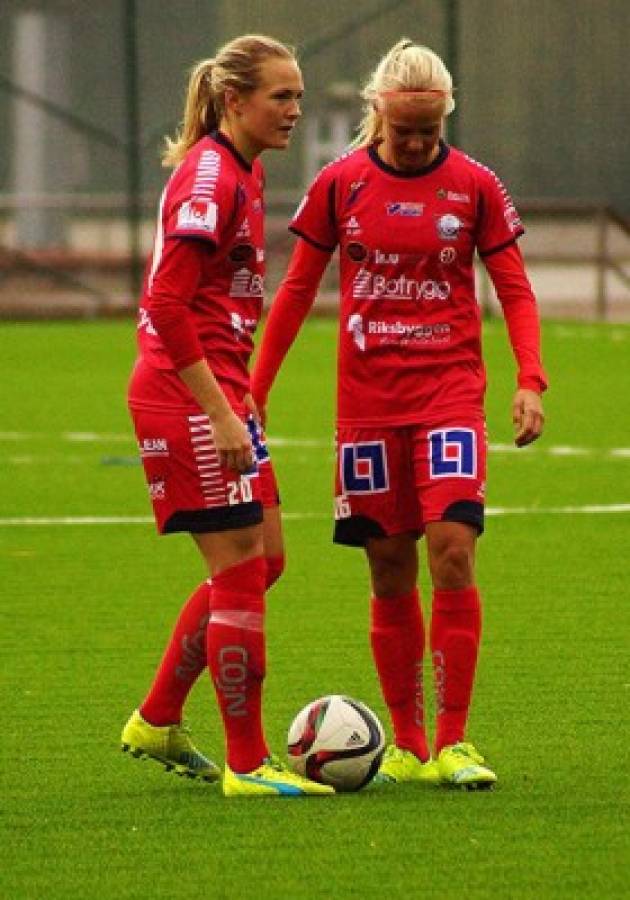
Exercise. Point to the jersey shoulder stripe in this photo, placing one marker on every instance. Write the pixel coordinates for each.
(207, 173)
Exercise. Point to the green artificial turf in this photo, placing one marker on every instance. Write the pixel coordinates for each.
(86, 610)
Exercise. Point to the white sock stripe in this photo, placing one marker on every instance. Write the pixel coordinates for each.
(237, 618)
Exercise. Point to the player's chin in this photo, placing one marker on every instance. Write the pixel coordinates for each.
(283, 137)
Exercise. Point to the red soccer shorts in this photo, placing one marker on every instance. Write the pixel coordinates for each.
(189, 489)
(395, 480)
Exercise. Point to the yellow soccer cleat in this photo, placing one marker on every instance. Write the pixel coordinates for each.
(461, 765)
(400, 766)
(169, 745)
(271, 779)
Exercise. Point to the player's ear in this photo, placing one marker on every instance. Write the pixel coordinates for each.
(233, 101)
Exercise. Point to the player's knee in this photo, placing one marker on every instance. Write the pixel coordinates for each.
(452, 566)
(392, 575)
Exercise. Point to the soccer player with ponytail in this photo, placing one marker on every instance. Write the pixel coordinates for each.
(206, 464)
(408, 213)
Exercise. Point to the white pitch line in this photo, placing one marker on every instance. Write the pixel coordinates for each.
(275, 442)
(588, 509)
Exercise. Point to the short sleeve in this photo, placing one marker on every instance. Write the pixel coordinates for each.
(202, 201)
(315, 217)
(499, 222)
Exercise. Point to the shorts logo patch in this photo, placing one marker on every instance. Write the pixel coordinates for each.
(363, 468)
(453, 452)
(258, 441)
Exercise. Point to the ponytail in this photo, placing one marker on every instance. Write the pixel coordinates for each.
(236, 65)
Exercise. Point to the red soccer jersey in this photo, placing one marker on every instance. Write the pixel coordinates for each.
(410, 325)
(213, 197)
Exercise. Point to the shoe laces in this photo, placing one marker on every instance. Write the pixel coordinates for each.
(394, 753)
(467, 750)
(273, 762)
(184, 728)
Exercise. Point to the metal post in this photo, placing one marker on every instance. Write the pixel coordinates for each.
(602, 264)
(40, 150)
(130, 43)
(452, 62)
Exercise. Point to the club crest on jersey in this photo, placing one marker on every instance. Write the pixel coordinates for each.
(240, 253)
(197, 214)
(448, 255)
(363, 468)
(404, 208)
(356, 251)
(448, 226)
(453, 452)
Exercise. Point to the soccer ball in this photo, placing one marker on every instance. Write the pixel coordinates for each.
(336, 740)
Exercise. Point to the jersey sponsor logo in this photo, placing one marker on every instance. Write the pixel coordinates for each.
(452, 453)
(353, 226)
(403, 332)
(453, 196)
(363, 468)
(356, 251)
(157, 489)
(448, 255)
(153, 447)
(242, 326)
(405, 208)
(381, 258)
(246, 283)
(448, 226)
(355, 328)
(368, 286)
(197, 214)
(207, 173)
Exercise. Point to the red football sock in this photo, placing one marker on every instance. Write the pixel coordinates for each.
(236, 659)
(185, 656)
(183, 661)
(455, 634)
(397, 637)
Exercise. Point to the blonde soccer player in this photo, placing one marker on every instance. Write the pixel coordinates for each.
(207, 467)
(407, 213)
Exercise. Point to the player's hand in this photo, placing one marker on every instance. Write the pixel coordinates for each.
(233, 442)
(527, 416)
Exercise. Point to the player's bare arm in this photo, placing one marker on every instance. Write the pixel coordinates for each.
(230, 434)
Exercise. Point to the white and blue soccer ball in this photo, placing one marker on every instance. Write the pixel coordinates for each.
(338, 741)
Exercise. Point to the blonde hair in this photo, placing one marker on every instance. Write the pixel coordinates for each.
(236, 65)
(406, 67)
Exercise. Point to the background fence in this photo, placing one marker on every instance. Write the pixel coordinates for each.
(88, 91)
